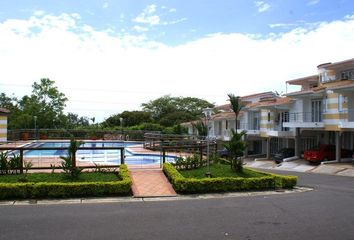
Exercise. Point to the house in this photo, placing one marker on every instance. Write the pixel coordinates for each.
(261, 117)
(3, 124)
(322, 112)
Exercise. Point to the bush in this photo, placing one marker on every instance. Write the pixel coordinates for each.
(65, 190)
(226, 184)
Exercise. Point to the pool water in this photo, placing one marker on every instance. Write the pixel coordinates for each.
(99, 156)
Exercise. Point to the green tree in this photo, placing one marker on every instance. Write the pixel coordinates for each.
(169, 111)
(236, 147)
(236, 106)
(201, 128)
(46, 103)
(130, 118)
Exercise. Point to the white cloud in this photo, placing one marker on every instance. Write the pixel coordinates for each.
(146, 16)
(125, 70)
(313, 2)
(140, 29)
(38, 13)
(262, 6)
(105, 5)
(172, 10)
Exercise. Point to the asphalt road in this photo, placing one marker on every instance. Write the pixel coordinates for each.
(325, 213)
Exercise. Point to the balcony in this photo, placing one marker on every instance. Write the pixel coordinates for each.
(350, 118)
(304, 120)
(250, 128)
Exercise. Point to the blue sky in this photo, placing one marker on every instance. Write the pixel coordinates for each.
(111, 56)
(181, 21)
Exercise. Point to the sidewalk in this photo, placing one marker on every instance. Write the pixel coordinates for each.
(340, 169)
(150, 183)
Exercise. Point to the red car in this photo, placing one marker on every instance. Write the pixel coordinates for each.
(324, 153)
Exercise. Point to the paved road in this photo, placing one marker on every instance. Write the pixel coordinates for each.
(325, 213)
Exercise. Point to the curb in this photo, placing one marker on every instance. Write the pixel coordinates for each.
(151, 199)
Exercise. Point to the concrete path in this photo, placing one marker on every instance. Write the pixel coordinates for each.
(150, 183)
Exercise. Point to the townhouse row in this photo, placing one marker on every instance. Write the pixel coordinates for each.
(322, 112)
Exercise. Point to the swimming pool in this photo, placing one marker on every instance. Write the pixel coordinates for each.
(98, 156)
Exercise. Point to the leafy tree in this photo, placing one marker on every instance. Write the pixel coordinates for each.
(236, 106)
(169, 111)
(236, 147)
(201, 128)
(72, 120)
(130, 118)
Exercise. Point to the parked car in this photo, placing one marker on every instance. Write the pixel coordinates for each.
(324, 152)
(224, 153)
(283, 153)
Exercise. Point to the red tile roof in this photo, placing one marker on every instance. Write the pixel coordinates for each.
(301, 81)
(270, 102)
(4, 110)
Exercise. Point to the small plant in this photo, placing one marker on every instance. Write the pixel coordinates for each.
(27, 166)
(69, 162)
(3, 163)
(14, 164)
(236, 146)
(52, 166)
(98, 168)
(190, 162)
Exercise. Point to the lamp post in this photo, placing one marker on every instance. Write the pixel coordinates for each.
(35, 126)
(207, 113)
(121, 126)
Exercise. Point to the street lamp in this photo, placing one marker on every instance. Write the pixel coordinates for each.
(121, 126)
(35, 126)
(207, 113)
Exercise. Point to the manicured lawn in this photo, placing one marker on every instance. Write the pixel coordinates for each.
(219, 170)
(61, 177)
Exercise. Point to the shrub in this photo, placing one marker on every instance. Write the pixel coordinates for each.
(64, 190)
(226, 184)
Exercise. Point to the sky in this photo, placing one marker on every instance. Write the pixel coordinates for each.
(111, 56)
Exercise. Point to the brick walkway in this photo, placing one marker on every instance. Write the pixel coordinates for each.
(151, 183)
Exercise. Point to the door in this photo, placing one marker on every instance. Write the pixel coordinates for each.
(316, 110)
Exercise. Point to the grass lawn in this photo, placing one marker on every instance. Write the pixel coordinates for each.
(61, 177)
(219, 170)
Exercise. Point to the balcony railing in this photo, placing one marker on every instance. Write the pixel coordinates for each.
(250, 126)
(305, 117)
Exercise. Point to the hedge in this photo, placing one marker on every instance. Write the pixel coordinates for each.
(226, 184)
(66, 190)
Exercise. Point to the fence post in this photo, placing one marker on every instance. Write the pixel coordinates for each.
(163, 155)
(201, 153)
(122, 156)
(21, 160)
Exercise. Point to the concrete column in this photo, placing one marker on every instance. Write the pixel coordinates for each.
(338, 146)
(268, 148)
(246, 149)
(297, 142)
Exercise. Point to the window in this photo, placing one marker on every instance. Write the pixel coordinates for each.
(268, 116)
(227, 125)
(347, 74)
(316, 111)
(325, 101)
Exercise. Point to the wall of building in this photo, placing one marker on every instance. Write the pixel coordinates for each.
(3, 128)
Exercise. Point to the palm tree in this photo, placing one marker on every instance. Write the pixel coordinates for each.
(236, 106)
